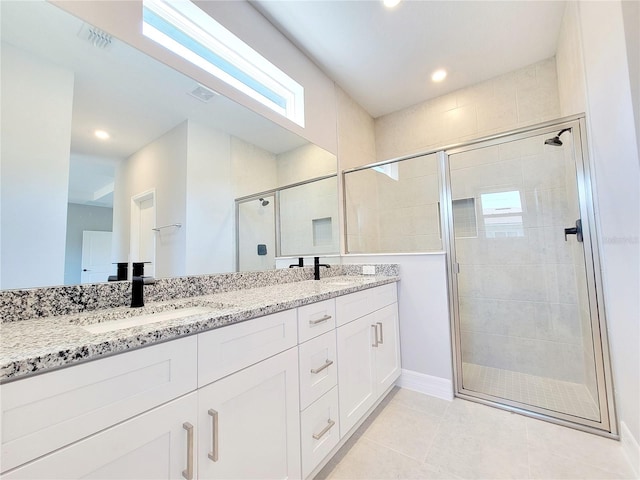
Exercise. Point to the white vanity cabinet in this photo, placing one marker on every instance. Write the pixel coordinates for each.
(248, 403)
(45, 412)
(368, 351)
(271, 397)
(159, 444)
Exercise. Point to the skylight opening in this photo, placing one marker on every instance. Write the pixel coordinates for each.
(184, 29)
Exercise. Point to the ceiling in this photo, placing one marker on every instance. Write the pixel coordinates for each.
(383, 58)
(123, 91)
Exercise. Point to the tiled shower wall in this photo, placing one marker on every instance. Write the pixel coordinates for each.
(385, 215)
(394, 208)
(542, 332)
(518, 294)
(517, 99)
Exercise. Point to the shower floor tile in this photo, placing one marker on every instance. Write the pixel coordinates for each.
(556, 395)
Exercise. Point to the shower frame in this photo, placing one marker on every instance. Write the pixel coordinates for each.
(607, 425)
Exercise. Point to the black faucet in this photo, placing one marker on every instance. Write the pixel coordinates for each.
(316, 267)
(137, 290)
(300, 263)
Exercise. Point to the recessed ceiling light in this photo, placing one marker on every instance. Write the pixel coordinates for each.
(390, 3)
(439, 75)
(102, 135)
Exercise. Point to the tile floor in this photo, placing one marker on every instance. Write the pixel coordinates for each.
(414, 436)
(565, 397)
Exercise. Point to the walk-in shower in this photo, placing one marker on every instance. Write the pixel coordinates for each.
(514, 214)
(524, 279)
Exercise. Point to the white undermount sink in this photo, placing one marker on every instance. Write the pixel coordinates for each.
(146, 319)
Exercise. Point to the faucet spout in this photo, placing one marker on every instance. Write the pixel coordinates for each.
(137, 290)
(316, 267)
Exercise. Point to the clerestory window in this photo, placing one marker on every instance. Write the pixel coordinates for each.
(186, 30)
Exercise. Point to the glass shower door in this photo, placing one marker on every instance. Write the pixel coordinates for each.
(524, 303)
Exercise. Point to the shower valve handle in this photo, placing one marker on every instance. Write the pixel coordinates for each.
(577, 231)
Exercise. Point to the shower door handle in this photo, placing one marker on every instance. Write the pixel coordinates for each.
(577, 231)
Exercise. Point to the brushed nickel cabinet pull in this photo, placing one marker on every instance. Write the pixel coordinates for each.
(213, 455)
(320, 320)
(319, 435)
(381, 337)
(327, 363)
(188, 473)
(375, 336)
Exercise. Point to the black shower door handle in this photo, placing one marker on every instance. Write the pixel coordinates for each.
(577, 231)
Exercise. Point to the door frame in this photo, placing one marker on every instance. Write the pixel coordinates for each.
(134, 230)
(607, 425)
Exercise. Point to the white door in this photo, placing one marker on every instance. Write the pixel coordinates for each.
(143, 237)
(387, 353)
(249, 422)
(355, 370)
(153, 445)
(96, 256)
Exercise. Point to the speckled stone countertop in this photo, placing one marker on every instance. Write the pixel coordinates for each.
(40, 344)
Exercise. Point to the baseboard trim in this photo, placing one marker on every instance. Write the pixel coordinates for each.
(429, 385)
(631, 448)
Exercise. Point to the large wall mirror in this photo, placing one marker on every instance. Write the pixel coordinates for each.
(161, 189)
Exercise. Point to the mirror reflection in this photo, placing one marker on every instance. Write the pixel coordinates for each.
(110, 156)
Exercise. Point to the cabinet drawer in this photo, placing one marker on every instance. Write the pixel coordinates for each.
(318, 368)
(229, 349)
(49, 411)
(358, 304)
(316, 319)
(320, 431)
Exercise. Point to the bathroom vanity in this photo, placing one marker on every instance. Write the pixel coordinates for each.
(254, 383)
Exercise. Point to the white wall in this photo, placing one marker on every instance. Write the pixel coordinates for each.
(424, 311)
(210, 213)
(631, 17)
(35, 169)
(161, 165)
(253, 169)
(123, 20)
(79, 219)
(614, 155)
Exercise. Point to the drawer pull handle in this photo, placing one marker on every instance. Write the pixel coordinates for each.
(320, 320)
(319, 435)
(188, 473)
(213, 455)
(375, 336)
(327, 363)
(381, 337)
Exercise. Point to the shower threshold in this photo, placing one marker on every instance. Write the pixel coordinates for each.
(550, 394)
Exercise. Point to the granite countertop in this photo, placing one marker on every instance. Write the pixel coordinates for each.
(36, 345)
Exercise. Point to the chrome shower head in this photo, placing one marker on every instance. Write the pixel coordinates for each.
(263, 202)
(555, 141)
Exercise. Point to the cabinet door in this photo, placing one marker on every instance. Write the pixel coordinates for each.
(249, 423)
(387, 353)
(154, 445)
(46, 412)
(355, 370)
